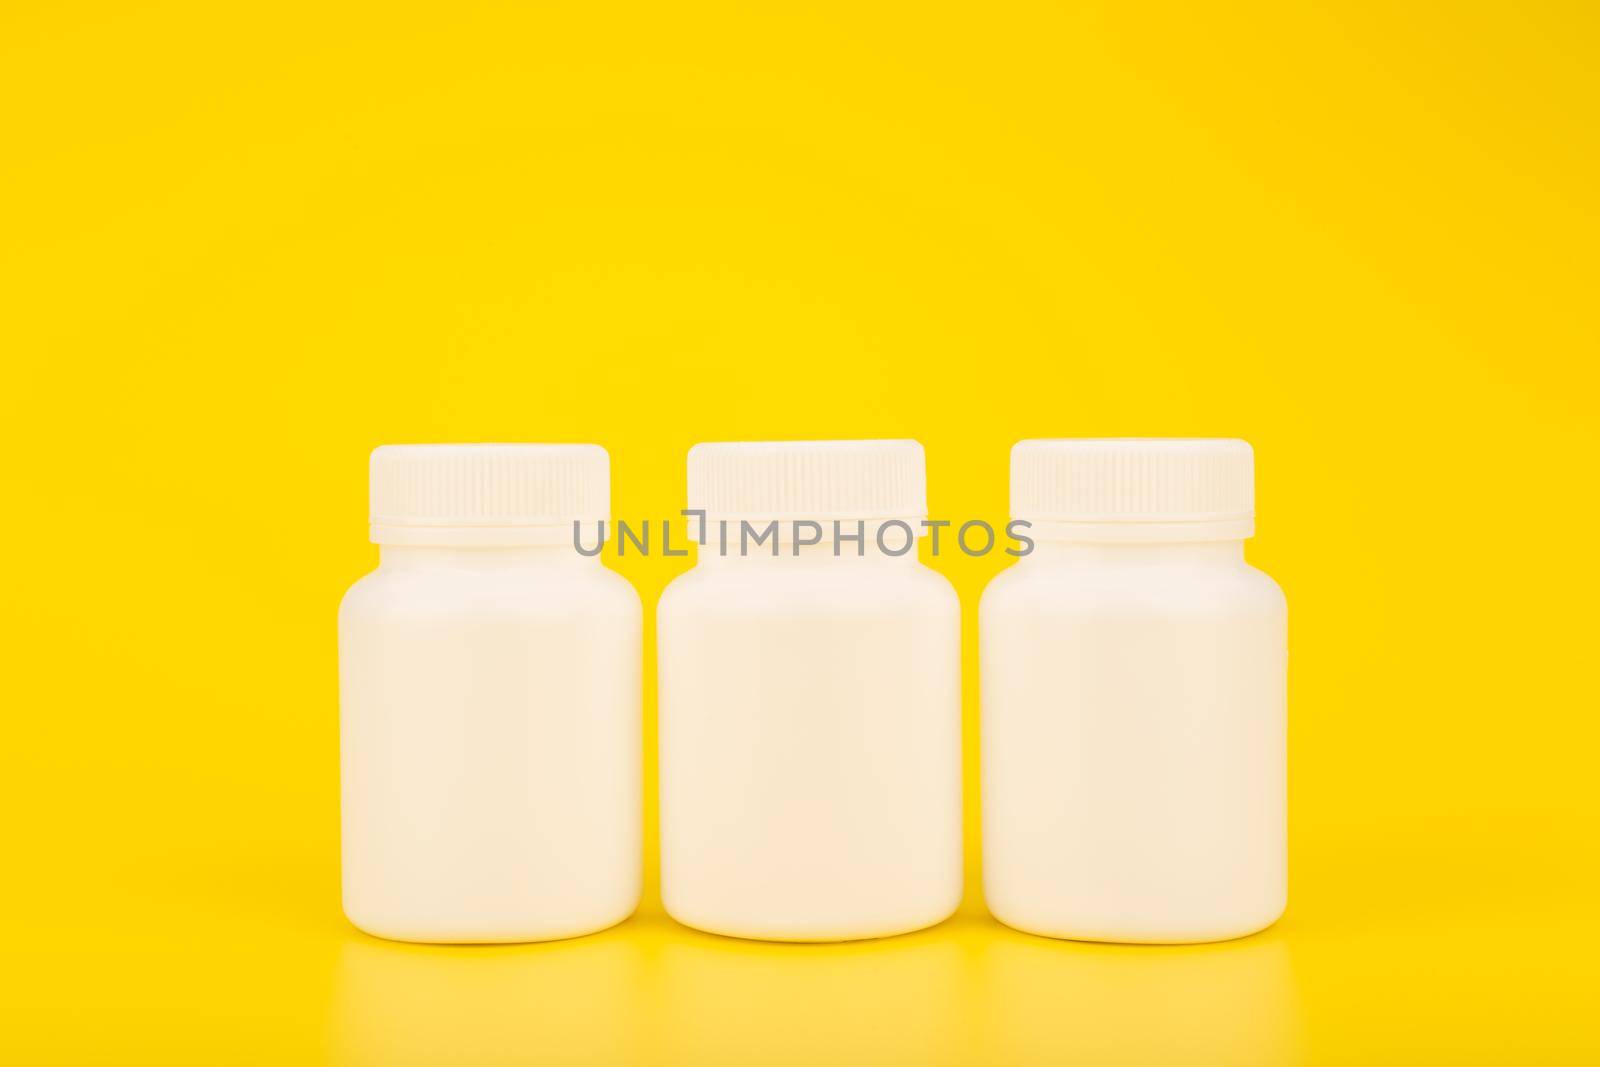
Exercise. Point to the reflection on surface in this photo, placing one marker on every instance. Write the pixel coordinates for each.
(967, 991)
(894, 1000)
(565, 1001)
(1051, 1001)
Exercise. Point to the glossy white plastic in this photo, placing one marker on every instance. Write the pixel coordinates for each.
(810, 707)
(489, 703)
(1133, 689)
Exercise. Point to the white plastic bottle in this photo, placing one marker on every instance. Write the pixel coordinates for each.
(1133, 685)
(810, 700)
(489, 702)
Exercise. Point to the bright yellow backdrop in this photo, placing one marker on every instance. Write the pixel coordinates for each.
(243, 243)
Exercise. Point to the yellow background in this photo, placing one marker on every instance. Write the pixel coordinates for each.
(241, 244)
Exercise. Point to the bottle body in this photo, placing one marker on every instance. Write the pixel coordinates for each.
(810, 746)
(490, 745)
(1134, 729)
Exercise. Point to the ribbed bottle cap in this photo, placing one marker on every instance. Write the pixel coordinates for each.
(486, 494)
(1170, 488)
(817, 480)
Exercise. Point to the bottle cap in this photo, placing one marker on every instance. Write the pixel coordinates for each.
(816, 480)
(486, 494)
(1135, 488)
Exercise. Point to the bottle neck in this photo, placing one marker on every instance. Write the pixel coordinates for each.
(487, 556)
(1138, 553)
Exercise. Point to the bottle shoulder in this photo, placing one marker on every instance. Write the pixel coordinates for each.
(1053, 588)
(526, 591)
(907, 586)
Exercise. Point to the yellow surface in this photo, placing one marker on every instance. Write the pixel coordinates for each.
(241, 244)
